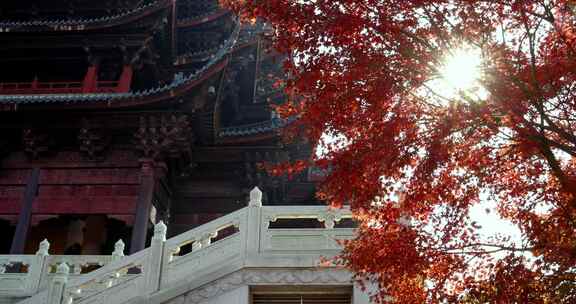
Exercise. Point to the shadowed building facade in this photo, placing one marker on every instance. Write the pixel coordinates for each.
(115, 115)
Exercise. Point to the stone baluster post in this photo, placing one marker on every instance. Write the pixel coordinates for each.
(254, 223)
(58, 285)
(153, 268)
(118, 252)
(35, 272)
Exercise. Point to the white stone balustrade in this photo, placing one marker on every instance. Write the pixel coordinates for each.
(204, 253)
(303, 241)
(238, 240)
(25, 275)
(20, 274)
(127, 272)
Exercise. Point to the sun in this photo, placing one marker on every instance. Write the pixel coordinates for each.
(461, 69)
(459, 74)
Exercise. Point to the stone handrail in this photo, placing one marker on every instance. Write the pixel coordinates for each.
(240, 239)
(40, 298)
(329, 216)
(25, 275)
(130, 268)
(201, 236)
(20, 274)
(303, 241)
(77, 263)
(203, 253)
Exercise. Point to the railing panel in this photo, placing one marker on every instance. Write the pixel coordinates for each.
(205, 247)
(319, 212)
(329, 216)
(203, 233)
(121, 292)
(13, 283)
(304, 241)
(40, 298)
(79, 264)
(203, 260)
(128, 269)
(299, 240)
(19, 274)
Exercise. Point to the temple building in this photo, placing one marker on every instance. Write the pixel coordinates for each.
(116, 114)
(142, 120)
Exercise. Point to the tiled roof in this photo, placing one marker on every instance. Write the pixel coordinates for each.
(273, 124)
(6, 26)
(179, 80)
(250, 129)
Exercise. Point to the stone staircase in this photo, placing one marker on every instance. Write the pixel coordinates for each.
(238, 249)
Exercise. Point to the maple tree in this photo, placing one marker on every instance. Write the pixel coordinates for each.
(412, 158)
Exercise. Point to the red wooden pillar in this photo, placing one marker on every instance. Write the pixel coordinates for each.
(125, 79)
(90, 79)
(19, 241)
(143, 206)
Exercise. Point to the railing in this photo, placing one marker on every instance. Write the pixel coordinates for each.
(203, 252)
(303, 240)
(25, 275)
(241, 239)
(20, 274)
(36, 87)
(128, 272)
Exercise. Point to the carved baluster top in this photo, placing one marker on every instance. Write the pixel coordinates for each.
(255, 198)
(63, 269)
(43, 248)
(119, 247)
(330, 217)
(160, 231)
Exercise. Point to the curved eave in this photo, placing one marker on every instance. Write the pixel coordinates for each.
(203, 19)
(195, 57)
(155, 95)
(109, 101)
(250, 132)
(200, 55)
(83, 25)
(185, 59)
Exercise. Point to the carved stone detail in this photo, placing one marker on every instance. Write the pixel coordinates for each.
(43, 248)
(118, 249)
(35, 142)
(265, 277)
(255, 198)
(92, 142)
(160, 231)
(330, 217)
(163, 135)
